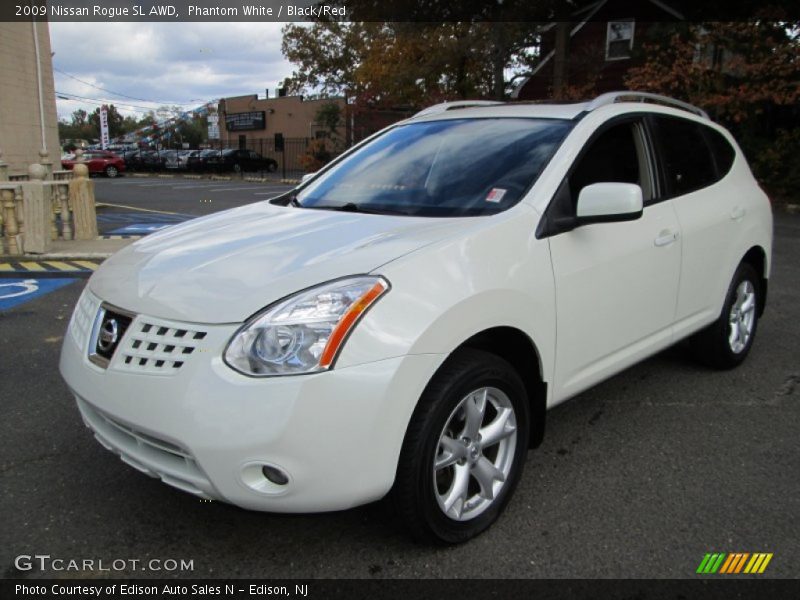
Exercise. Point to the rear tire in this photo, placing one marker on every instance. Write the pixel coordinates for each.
(112, 171)
(464, 449)
(726, 343)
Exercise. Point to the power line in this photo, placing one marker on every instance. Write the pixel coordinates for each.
(132, 107)
(119, 93)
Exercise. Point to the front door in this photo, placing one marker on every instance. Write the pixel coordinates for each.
(616, 283)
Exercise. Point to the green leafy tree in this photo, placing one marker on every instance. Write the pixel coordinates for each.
(115, 121)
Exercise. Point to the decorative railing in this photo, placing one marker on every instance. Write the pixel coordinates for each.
(45, 205)
(11, 219)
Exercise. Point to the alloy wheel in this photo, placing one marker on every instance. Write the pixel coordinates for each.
(475, 453)
(742, 317)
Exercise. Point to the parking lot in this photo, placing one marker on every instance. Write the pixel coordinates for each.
(638, 477)
(140, 205)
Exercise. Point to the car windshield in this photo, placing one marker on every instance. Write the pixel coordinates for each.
(448, 168)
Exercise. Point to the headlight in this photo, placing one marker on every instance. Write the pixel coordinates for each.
(304, 333)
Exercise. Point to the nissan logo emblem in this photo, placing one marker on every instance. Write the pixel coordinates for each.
(109, 334)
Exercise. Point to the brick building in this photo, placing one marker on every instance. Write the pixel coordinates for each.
(252, 122)
(603, 40)
(28, 117)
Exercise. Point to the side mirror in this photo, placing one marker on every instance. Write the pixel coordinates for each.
(306, 177)
(609, 203)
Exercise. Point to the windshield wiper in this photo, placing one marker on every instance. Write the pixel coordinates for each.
(360, 208)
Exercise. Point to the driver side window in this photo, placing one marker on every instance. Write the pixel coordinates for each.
(617, 155)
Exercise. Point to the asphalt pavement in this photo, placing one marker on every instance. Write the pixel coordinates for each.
(141, 205)
(638, 477)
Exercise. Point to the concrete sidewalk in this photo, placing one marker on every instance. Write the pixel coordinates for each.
(74, 249)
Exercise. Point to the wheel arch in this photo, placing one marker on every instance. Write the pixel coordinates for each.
(518, 349)
(757, 258)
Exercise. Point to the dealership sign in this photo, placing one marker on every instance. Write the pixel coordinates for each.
(104, 127)
(213, 127)
(246, 121)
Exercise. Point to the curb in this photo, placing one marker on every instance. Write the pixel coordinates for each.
(55, 256)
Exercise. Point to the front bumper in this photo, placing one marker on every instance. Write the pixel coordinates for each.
(205, 429)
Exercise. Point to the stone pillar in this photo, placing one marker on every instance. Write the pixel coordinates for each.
(37, 211)
(3, 168)
(44, 156)
(81, 198)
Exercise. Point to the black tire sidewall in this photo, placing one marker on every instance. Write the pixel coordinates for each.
(490, 372)
(112, 171)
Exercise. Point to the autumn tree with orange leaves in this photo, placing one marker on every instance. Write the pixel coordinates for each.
(747, 76)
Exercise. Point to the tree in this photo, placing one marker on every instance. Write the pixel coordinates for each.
(747, 76)
(385, 64)
(734, 69)
(115, 121)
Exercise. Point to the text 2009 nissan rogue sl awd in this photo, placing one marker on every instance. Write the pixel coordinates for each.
(401, 321)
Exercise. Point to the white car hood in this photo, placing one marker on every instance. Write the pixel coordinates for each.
(227, 266)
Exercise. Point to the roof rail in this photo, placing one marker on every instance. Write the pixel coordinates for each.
(628, 96)
(445, 106)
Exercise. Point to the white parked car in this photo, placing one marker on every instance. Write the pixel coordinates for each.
(401, 321)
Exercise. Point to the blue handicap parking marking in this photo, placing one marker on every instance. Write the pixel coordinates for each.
(14, 292)
(140, 228)
(140, 223)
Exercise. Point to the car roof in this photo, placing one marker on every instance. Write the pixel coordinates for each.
(631, 100)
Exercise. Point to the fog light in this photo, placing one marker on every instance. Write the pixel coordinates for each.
(266, 478)
(276, 476)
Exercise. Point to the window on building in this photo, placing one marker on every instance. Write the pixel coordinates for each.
(619, 39)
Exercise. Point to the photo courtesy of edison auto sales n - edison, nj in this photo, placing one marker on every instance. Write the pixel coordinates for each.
(400, 322)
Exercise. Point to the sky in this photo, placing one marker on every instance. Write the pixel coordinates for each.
(163, 63)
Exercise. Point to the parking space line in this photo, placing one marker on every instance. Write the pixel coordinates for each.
(6, 267)
(150, 210)
(231, 189)
(204, 186)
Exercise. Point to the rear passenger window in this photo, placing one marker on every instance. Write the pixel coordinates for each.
(686, 155)
(722, 150)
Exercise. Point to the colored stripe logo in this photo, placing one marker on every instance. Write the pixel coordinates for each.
(734, 563)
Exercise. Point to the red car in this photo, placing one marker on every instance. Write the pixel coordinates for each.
(99, 162)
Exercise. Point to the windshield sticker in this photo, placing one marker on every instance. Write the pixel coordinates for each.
(495, 195)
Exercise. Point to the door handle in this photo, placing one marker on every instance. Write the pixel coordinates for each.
(666, 237)
(737, 213)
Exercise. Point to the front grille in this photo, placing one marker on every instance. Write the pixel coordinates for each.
(169, 462)
(157, 347)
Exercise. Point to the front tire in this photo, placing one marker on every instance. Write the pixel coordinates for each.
(112, 171)
(726, 343)
(464, 449)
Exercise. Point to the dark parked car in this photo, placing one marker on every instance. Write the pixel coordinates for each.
(151, 160)
(197, 161)
(240, 160)
(100, 162)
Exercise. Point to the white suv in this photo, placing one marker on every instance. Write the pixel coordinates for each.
(402, 320)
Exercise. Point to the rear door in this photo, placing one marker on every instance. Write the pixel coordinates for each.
(616, 283)
(711, 211)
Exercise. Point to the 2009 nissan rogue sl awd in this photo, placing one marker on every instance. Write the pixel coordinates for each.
(400, 322)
